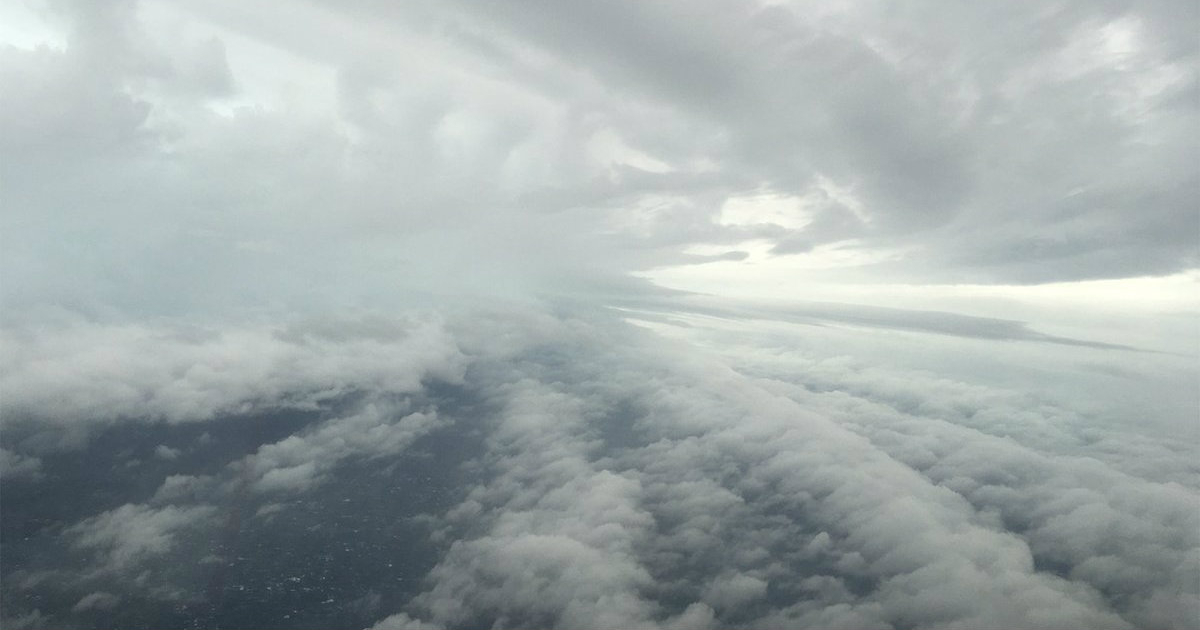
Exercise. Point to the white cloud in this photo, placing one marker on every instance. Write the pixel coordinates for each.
(753, 477)
(790, 506)
(130, 534)
(205, 205)
(1039, 470)
(297, 462)
(374, 150)
(561, 551)
(80, 372)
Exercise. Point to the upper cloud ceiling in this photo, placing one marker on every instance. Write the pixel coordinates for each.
(217, 153)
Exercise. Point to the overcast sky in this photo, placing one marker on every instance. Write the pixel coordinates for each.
(164, 156)
(775, 314)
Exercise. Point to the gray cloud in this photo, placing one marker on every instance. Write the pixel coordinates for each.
(28, 621)
(1002, 144)
(76, 372)
(1081, 519)
(211, 209)
(787, 507)
(131, 534)
(297, 462)
(18, 465)
(820, 313)
(626, 480)
(98, 600)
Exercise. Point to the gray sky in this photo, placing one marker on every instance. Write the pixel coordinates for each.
(167, 157)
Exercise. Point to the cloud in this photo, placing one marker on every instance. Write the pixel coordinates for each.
(212, 211)
(298, 461)
(27, 621)
(727, 477)
(162, 451)
(815, 313)
(18, 465)
(131, 534)
(772, 504)
(79, 372)
(98, 600)
(401, 621)
(562, 550)
(1005, 456)
(732, 591)
(205, 157)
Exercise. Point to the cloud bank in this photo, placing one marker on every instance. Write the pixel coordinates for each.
(614, 478)
(200, 156)
(339, 313)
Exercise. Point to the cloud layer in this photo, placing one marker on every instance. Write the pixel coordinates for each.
(203, 155)
(336, 313)
(614, 478)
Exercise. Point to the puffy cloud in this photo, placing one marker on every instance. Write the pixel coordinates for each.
(180, 174)
(724, 478)
(79, 371)
(732, 591)
(772, 504)
(561, 550)
(298, 461)
(133, 533)
(1036, 469)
